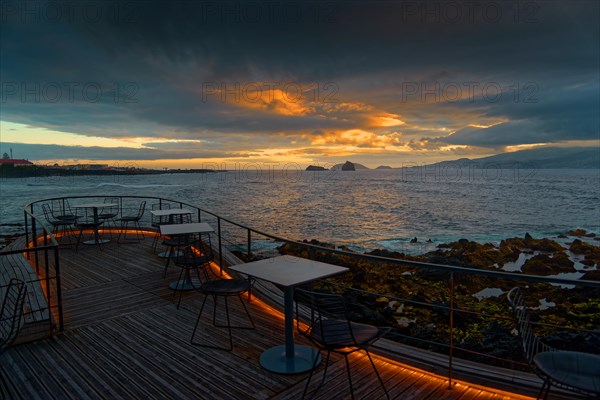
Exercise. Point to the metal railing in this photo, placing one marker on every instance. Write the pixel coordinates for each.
(233, 235)
(41, 249)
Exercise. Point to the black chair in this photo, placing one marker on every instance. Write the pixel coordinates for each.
(323, 319)
(134, 220)
(176, 245)
(213, 285)
(575, 371)
(11, 315)
(60, 227)
(61, 209)
(156, 221)
(11, 312)
(109, 214)
(86, 222)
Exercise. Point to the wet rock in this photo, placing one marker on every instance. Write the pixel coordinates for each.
(414, 240)
(544, 244)
(591, 252)
(592, 275)
(544, 264)
(386, 253)
(528, 236)
(577, 232)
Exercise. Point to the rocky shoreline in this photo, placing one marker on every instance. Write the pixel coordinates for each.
(482, 318)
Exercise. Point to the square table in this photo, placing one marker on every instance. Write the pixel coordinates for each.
(288, 271)
(187, 283)
(171, 213)
(95, 207)
(184, 229)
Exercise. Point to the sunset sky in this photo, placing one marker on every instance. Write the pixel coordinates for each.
(189, 83)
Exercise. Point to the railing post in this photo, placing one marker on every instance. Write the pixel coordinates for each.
(249, 244)
(220, 246)
(34, 241)
(450, 355)
(26, 233)
(61, 323)
(47, 269)
(199, 215)
(46, 248)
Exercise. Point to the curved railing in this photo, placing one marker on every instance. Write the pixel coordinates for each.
(44, 287)
(231, 234)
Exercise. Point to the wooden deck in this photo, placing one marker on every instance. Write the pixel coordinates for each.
(125, 338)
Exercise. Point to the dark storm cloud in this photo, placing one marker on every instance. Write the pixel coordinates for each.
(150, 62)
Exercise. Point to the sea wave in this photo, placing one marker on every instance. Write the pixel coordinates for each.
(146, 186)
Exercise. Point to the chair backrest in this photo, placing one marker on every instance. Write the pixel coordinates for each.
(112, 209)
(11, 312)
(142, 209)
(198, 254)
(324, 316)
(530, 343)
(47, 212)
(156, 221)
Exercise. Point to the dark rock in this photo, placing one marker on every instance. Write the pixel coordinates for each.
(577, 232)
(528, 236)
(544, 264)
(315, 168)
(587, 342)
(592, 275)
(386, 253)
(591, 252)
(414, 240)
(348, 166)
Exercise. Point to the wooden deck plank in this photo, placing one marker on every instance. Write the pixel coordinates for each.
(125, 338)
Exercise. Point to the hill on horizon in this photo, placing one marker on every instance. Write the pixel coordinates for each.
(547, 157)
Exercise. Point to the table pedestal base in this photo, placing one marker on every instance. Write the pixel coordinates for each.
(94, 241)
(165, 254)
(275, 360)
(185, 284)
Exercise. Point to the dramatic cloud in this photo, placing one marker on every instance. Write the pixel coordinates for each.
(431, 77)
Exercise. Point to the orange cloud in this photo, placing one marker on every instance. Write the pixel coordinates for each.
(385, 120)
(358, 138)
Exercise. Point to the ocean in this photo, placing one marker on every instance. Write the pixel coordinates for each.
(364, 209)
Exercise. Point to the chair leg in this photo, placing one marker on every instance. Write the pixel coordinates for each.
(123, 231)
(313, 370)
(181, 275)
(171, 248)
(377, 373)
(229, 326)
(252, 326)
(544, 390)
(349, 376)
(198, 322)
(138, 231)
(78, 239)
